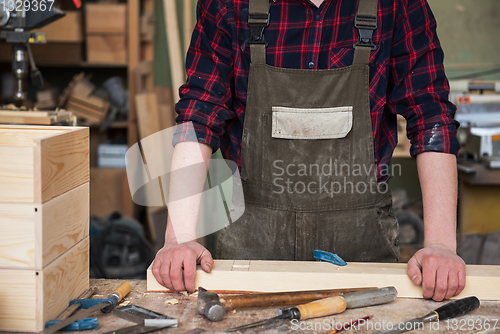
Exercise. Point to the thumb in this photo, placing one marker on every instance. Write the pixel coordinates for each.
(206, 261)
(414, 271)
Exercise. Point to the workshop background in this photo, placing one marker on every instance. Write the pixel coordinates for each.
(115, 67)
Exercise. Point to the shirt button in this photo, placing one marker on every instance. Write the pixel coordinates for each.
(317, 17)
(311, 64)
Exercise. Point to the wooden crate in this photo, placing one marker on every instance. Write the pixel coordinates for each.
(105, 18)
(31, 297)
(39, 163)
(44, 222)
(66, 29)
(34, 235)
(106, 48)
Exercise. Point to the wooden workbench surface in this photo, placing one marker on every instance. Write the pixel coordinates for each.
(185, 312)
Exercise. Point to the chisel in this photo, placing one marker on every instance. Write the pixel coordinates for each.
(331, 305)
(92, 305)
(454, 309)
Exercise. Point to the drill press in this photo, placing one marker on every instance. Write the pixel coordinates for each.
(17, 18)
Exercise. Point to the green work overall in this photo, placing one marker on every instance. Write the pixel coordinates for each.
(308, 171)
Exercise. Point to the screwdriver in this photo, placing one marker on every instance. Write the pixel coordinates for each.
(329, 306)
(451, 310)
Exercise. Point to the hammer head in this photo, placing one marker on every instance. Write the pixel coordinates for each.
(209, 305)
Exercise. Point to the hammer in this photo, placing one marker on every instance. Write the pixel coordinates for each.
(213, 307)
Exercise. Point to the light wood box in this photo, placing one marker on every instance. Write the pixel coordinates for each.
(38, 163)
(105, 18)
(66, 29)
(29, 297)
(44, 222)
(106, 48)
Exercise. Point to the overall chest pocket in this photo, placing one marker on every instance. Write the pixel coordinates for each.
(311, 123)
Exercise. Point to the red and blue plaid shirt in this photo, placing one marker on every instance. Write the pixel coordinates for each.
(406, 70)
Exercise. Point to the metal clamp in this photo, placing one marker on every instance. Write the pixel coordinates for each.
(366, 26)
(257, 26)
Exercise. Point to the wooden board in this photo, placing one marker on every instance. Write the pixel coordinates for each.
(105, 18)
(106, 48)
(32, 297)
(33, 235)
(52, 53)
(66, 29)
(34, 117)
(275, 276)
(39, 163)
(174, 46)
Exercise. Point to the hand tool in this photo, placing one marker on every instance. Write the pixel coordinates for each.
(92, 305)
(141, 315)
(331, 305)
(89, 323)
(213, 307)
(451, 310)
(329, 257)
(349, 324)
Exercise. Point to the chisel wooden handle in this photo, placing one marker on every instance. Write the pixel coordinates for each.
(322, 308)
(122, 291)
(117, 296)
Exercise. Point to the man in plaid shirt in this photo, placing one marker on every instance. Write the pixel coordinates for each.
(406, 76)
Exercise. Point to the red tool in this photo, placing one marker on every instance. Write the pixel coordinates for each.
(349, 324)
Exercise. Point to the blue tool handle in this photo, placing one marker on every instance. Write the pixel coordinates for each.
(87, 323)
(88, 303)
(329, 257)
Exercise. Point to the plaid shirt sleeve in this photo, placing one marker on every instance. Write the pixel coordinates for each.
(206, 97)
(417, 87)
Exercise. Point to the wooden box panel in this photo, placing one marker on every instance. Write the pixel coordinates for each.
(66, 29)
(105, 18)
(38, 163)
(105, 48)
(29, 298)
(33, 235)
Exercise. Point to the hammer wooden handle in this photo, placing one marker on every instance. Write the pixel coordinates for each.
(280, 299)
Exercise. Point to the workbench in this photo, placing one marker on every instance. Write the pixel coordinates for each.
(185, 312)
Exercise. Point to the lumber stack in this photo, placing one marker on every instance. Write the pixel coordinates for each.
(280, 276)
(79, 97)
(44, 216)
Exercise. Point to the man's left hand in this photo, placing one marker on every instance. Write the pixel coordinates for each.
(440, 271)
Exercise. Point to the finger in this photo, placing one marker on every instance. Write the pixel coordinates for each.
(206, 261)
(429, 271)
(165, 274)
(414, 271)
(189, 273)
(156, 271)
(461, 281)
(452, 284)
(441, 284)
(176, 274)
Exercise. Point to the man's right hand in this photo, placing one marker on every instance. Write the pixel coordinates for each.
(173, 258)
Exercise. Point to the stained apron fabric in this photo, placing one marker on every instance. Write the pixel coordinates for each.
(308, 170)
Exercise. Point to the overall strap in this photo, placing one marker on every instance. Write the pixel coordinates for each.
(366, 23)
(258, 20)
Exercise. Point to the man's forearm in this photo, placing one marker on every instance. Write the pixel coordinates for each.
(438, 181)
(189, 170)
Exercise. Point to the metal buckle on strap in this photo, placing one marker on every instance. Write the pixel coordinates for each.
(366, 26)
(257, 26)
